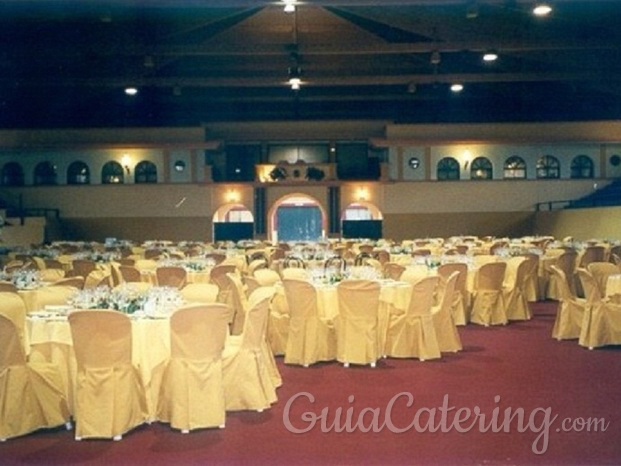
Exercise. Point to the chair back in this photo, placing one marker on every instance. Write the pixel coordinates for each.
(491, 276)
(130, 273)
(171, 276)
(218, 273)
(601, 271)
(293, 261)
(255, 323)
(82, 267)
(75, 282)
(592, 254)
(13, 307)
(266, 277)
(7, 287)
(199, 331)
(204, 293)
(358, 299)
(393, 270)
(295, 273)
(422, 296)
(446, 270)
(301, 299)
(565, 293)
(448, 290)
(592, 292)
(11, 349)
(101, 338)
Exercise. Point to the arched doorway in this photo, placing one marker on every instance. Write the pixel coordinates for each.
(297, 217)
(361, 220)
(233, 222)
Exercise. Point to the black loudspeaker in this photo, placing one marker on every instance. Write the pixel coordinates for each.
(232, 231)
(368, 229)
(334, 214)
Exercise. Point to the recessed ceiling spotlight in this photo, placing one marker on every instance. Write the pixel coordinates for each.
(542, 9)
(289, 6)
(131, 91)
(457, 87)
(490, 56)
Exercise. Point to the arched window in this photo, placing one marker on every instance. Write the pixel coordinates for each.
(45, 174)
(548, 167)
(112, 173)
(146, 172)
(582, 167)
(12, 174)
(448, 169)
(481, 169)
(515, 168)
(78, 173)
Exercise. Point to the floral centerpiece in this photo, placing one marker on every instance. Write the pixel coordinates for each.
(26, 279)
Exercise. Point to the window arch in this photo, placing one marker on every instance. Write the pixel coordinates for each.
(548, 167)
(515, 168)
(145, 172)
(78, 173)
(45, 174)
(112, 173)
(448, 169)
(582, 167)
(12, 174)
(481, 169)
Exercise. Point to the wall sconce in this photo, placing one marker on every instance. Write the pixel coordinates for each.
(467, 156)
(232, 196)
(362, 194)
(125, 161)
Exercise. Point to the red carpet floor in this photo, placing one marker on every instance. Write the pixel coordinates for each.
(557, 386)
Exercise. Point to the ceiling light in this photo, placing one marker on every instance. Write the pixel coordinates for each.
(435, 57)
(457, 87)
(490, 56)
(148, 61)
(542, 9)
(131, 91)
(294, 77)
(472, 11)
(289, 6)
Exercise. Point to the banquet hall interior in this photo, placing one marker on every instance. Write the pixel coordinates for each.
(302, 232)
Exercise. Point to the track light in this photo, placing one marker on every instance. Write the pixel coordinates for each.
(295, 73)
(289, 6)
(131, 91)
(457, 87)
(472, 11)
(435, 58)
(490, 55)
(542, 9)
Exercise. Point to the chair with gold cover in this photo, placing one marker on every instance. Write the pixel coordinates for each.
(532, 285)
(567, 263)
(192, 393)
(570, 311)
(412, 334)
(601, 324)
(460, 307)
(54, 295)
(310, 338)
(601, 271)
(75, 282)
(217, 275)
(393, 271)
(33, 395)
(239, 302)
(514, 287)
(110, 397)
(266, 277)
(171, 276)
(130, 273)
(82, 267)
(488, 306)
(443, 322)
(7, 287)
(13, 307)
(295, 273)
(357, 322)
(204, 293)
(247, 370)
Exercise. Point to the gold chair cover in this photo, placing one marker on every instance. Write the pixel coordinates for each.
(204, 293)
(109, 399)
(601, 271)
(12, 306)
(446, 330)
(172, 276)
(601, 325)
(357, 322)
(460, 307)
(310, 339)
(192, 393)
(570, 312)
(514, 287)
(412, 334)
(33, 395)
(246, 367)
(488, 306)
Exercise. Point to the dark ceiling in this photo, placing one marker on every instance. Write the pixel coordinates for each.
(66, 63)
